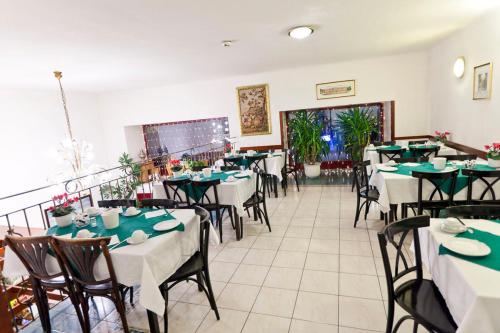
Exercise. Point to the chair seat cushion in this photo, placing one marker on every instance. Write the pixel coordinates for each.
(370, 194)
(98, 289)
(190, 267)
(422, 300)
(255, 199)
(57, 282)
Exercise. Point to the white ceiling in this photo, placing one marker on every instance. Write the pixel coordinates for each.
(119, 44)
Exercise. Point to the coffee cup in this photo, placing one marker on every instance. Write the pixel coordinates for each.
(110, 219)
(439, 163)
(131, 211)
(207, 172)
(84, 233)
(93, 211)
(138, 236)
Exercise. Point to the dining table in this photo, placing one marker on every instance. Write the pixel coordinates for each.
(232, 193)
(147, 264)
(469, 285)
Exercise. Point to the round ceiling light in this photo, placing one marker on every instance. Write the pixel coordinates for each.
(459, 67)
(300, 32)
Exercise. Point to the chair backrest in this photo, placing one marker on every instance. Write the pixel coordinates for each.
(417, 142)
(230, 168)
(261, 182)
(390, 154)
(424, 152)
(459, 157)
(386, 143)
(201, 189)
(361, 176)
(474, 211)
(79, 257)
(256, 162)
(488, 178)
(177, 186)
(233, 161)
(116, 203)
(437, 179)
(204, 231)
(160, 203)
(395, 234)
(411, 159)
(32, 251)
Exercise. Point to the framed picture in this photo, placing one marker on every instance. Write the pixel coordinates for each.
(336, 89)
(482, 81)
(255, 115)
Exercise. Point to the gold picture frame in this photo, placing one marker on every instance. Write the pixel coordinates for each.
(254, 109)
(483, 76)
(336, 89)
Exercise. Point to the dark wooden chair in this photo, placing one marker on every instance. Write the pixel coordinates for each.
(230, 168)
(458, 157)
(196, 268)
(385, 143)
(417, 142)
(390, 154)
(258, 200)
(436, 179)
(424, 152)
(233, 161)
(489, 179)
(256, 162)
(198, 168)
(33, 251)
(411, 159)
(160, 203)
(419, 297)
(289, 169)
(174, 188)
(78, 258)
(116, 203)
(487, 212)
(363, 190)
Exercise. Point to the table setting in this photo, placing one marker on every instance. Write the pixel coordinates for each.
(463, 257)
(274, 161)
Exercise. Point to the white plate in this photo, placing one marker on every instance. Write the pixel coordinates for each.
(467, 247)
(453, 230)
(132, 242)
(386, 168)
(166, 225)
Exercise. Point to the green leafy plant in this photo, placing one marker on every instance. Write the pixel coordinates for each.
(305, 137)
(130, 179)
(356, 125)
(193, 164)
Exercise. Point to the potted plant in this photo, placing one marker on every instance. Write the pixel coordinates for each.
(176, 168)
(62, 211)
(305, 139)
(493, 155)
(441, 136)
(356, 125)
(129, 180)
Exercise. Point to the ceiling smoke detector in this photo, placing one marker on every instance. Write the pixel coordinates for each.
(227, 43)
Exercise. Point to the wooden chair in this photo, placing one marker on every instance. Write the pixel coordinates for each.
(424, 152)
(363, 190)
(411, 159)
(160, 203)
(385, 143)
(417, 142)
(33, 251)
(390, 154)
(196, 268)
(79, 257)
(256, 162)
(116, 203)
(489, 179)
(175, 187)
(230, 168)
(419, 297)
(459, 157)
(258, 200)
(289, 170)
(233, 161)
(487, 212)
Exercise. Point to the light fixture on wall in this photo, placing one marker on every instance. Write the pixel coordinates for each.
(459, 67)
(300, 32)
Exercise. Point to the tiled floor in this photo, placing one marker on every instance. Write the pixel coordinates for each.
(313, 273)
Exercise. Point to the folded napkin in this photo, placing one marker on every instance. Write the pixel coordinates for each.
(411, 164)
(156, 213)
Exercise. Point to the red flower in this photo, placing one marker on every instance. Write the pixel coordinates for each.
(75, 199)
(54, 198)
(65, 195)
(51, 208)
(437, 133)
(447, 133)
(65, 205)
(487, 147)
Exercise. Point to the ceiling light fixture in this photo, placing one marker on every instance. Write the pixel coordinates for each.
(300, 32)
(227, 43)
(459, 67)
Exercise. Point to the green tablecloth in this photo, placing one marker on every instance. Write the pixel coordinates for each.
(493, 241)
(126, 227)
(393, 148)
(443, 185)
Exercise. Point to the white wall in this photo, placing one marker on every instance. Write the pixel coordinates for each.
(32, 124)
(472, 122)
(401, 78)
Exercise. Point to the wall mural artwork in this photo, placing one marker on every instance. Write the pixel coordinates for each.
(255, 115)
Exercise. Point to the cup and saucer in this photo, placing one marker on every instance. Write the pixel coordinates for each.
(452, 226)
(137, 237)
(84, 233)
(93, 211)
(131, 211)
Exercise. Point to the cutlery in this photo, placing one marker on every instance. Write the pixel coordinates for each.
(462, 222)
(112, 247)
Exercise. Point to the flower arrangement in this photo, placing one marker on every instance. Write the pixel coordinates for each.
(62, 205)
(493, 151)
(228, 148)
(176, 165)
(441, 136)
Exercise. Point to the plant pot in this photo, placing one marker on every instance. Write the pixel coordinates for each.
(494, 163)
(312, 170)
(64, 221)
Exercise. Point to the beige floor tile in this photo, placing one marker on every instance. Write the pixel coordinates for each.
(357, 265)
(267, 243)
(294, 244)
(252, 229)
(354, 235)
(320, 308)
(286, 278)
(302, 221)
(259, 257)
(298, 232)
(322, 262)
(276, 302)
(325, 233)
(343, 329)
(194, 296)
(320, 282)
(290, 259)
(301, 326)
(176, 292)
(259, 323)
(231, 321)
(330, 246)
(250, 274)
(238, 297)
(355, 285)
(362, 313)
(186, 317)
(327, 220)
(356, 248)
(234, 255)
(222, 271)
(276, 231)
(245, 242)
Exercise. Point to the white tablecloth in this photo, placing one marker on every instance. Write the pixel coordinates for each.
(146, 265)
(372, 154)
(274, 164)
(396, 189)
(229, 193)
(472, 292)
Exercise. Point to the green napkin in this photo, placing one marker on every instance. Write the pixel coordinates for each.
(492, 260)
(125, 229)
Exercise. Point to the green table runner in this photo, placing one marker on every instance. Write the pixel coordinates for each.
(443, 185)
(493, 241)
(125, 229)
(395, 147)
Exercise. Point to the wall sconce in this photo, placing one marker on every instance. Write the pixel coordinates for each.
(459, 67)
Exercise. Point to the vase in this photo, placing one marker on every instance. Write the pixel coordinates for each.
(494, 163)
(312, 170)
(64, 221)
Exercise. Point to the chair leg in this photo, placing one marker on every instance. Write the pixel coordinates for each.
(255, 216)
(120, 307)
(230, 211)
(266, 217)
(85, 311)
(367, 208)
(296, 180)
(43, 306)
(211, 297)
(164, 291)
(415, 327)
(275, 183)
(200, 281)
